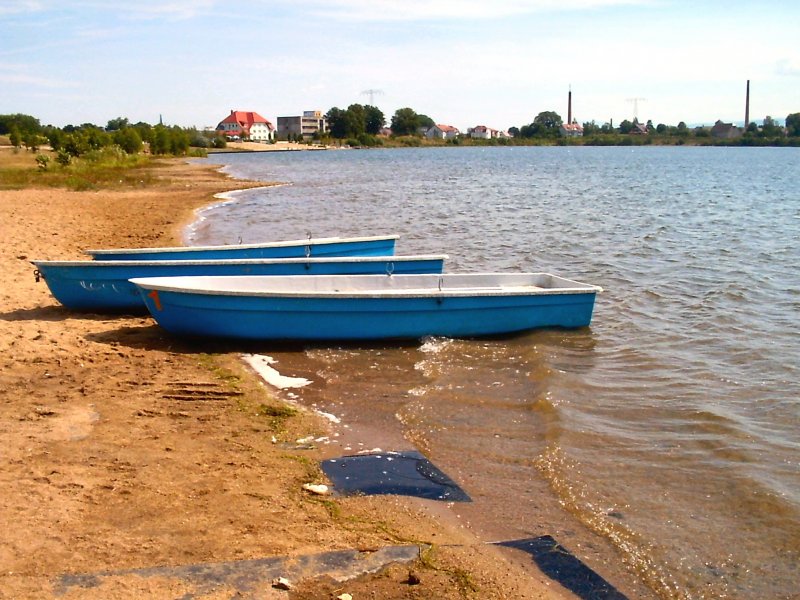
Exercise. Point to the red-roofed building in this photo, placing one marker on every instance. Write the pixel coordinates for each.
(573, 129)
(442, 132)
(482, 132)
(242, 124)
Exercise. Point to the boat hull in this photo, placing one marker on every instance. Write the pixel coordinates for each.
(104, 286)
(320, 247)
(367, 316)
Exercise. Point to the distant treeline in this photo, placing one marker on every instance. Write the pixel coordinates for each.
(361, 125)
(364, 125)
(74, 141)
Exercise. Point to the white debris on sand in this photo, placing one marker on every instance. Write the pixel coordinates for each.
(317, 488)
(261, 365)
(281, 583)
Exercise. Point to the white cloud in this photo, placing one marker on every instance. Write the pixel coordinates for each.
(13, 7)
(174, 10)
(417, 10)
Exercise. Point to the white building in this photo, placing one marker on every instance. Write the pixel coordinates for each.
(442, 132)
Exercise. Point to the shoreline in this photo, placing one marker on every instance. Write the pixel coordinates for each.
(110, 469)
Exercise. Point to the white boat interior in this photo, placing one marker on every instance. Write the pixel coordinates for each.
(477, 284)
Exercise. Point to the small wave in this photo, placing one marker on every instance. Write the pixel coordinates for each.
(557, 470)
(434, 345)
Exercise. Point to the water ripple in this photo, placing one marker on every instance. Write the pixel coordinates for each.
(679, 407)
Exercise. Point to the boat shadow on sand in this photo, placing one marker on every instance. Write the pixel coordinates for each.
(54, 313)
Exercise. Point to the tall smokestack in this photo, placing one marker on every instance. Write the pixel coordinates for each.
(747, 106)
(569, 106)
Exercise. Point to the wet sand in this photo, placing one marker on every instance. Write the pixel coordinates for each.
(124, 448)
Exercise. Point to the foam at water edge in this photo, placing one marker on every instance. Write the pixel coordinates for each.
(261, 365)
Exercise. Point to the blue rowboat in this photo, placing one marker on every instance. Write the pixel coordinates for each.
(103, 286)
(316, 247)
(349, 307)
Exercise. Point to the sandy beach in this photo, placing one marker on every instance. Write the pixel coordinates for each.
(125, 449)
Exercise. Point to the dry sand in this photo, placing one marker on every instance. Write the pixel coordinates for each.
(107, 466)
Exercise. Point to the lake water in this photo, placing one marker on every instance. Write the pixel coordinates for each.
(661, 445)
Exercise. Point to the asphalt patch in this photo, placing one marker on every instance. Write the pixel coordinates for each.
(560, 564)
(401, 473)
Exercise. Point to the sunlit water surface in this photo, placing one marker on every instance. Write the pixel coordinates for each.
(669, 428)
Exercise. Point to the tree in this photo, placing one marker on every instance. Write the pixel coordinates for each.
(337, 124)
(425, 121)
(95, 137)
(23, 123)
(513, 131)
(590, 128)
(128, 139)
(178, 141)
(793, 124)
(770, 128)
(117, 124)
(625, 127)
(374, 119)
(548, 121)
(405, 122)
(31, 141)
(74, 144)
(160, 141)
(63, 158)
(56, 138)
(356, 120)
(545, 124)
(14, 137)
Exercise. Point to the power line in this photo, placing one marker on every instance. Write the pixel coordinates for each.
(372, 93)
(636, 106)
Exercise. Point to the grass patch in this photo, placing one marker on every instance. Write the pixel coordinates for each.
(109, 168)
(210, 363)
(276, 416)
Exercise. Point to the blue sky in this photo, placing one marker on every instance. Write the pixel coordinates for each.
(462, 62)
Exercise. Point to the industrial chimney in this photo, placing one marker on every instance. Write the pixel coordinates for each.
(569, 107)
(747, 106)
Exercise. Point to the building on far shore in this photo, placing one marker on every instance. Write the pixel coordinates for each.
(241, 124)
(310, 123)
(482, 132)
(442, 132)
(727, 131)
(571, 129)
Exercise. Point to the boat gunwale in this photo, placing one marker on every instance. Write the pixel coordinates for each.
(278, 244)
(239, 261)
(424, 292)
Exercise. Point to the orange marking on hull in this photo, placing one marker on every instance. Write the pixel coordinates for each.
(156, 299)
